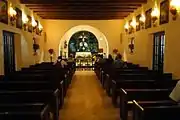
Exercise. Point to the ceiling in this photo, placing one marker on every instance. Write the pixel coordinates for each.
(83, 9)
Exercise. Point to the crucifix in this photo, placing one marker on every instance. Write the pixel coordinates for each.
(83, 44)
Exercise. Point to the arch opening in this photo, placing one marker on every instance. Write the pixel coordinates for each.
(83, 41)
(65, 41)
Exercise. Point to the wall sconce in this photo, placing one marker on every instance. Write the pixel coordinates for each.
(40, 28)
(12, 13)
(142, 20)
(133, 25)
(174, 8)
(25, 21)
(154, 16)
(34, 25)
(126, 27)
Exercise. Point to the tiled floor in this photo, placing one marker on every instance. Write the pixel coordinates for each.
(86, 100)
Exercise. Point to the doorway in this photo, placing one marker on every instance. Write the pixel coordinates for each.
(9, 52)
(158, 51)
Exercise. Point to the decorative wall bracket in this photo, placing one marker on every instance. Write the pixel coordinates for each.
(154, 20)
(174, 12)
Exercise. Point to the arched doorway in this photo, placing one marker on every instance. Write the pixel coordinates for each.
(83, 41)
(101, 38)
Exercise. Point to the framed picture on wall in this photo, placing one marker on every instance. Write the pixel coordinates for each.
(29, 23)
(4, 11)
(164, 12)
(138, 22)
(19, 18)
(148, 21)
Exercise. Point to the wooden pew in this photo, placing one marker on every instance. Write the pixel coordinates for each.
(139, 84)
(51, 75)
(128, 95)
(125, 84)
(1, 77)
(137, 76)
(39, 111)
(31, 85)
(43, 96)
(23, 116)
(123, 77)
(41, 78)
(39, 75)
(142, 104)
(26, 85)
(55, 75)
(160, 112)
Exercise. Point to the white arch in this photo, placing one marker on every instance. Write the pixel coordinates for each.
(102, 40)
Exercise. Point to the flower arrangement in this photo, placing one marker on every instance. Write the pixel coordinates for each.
(115, 51)
(35, 48)
(131, 47)
(51, 52)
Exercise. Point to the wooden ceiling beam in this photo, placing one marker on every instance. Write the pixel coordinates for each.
(85, 5)
(80, 1)
(90, 17)
(83, 13)
(83, 18)
(67, 18)
(93, 15)
(84, 10)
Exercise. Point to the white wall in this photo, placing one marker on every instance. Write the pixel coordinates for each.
(56, 29)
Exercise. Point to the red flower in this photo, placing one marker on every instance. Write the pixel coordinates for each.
(51, 51)
(115, 51)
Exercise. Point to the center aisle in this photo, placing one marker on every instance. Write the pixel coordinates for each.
(86, 100)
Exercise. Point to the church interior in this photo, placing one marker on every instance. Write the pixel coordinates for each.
(89, 59)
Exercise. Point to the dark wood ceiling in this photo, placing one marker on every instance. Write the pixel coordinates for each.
(83, 9)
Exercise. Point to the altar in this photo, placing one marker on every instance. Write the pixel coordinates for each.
(84, 59)
(83, 54)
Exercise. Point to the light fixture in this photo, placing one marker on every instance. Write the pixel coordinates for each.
(126, 27)
(34, 24)
(12, 13)
(174, 8)
(154, 15)
(133, 25)
(40, 28)
(100, 38)
(25, 21)
(142, 20)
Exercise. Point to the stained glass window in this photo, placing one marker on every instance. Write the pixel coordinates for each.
(83, 41)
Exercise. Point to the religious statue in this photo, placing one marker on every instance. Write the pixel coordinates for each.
(83, 45)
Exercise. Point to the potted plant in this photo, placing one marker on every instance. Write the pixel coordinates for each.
(131, 48)
(51, 52)
(115, 51)
(131, 45)
(35, 48)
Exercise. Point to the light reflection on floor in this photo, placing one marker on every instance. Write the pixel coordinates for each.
(86, 100)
